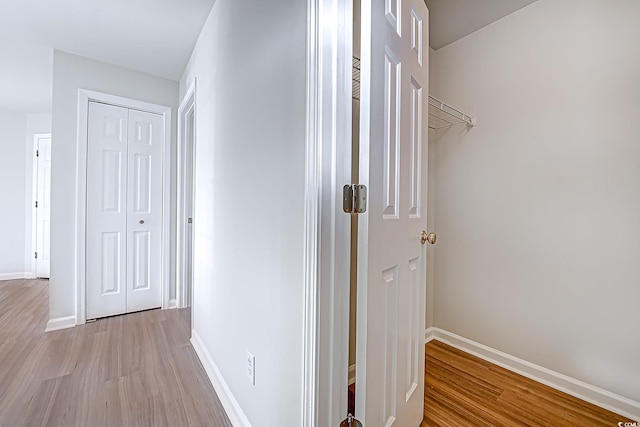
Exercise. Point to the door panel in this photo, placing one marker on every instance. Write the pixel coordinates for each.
(142, 183)
(43, 211)
(112, 181)
(391, 135)
(141, 262)
(106, 249)
(111, 279)
(144, 213)
(390, 290)
(391, 262)
(415, 339)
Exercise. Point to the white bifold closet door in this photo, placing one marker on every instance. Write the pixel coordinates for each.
(124, 210)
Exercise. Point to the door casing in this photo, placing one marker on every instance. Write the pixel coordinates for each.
(84, 96)
(184, 290)
(327, 227)
(34, 197)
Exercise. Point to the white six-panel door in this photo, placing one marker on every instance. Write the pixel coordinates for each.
(391, 258)
(124, 210)
(43, 211)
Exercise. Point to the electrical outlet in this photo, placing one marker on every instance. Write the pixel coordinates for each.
(251, 367)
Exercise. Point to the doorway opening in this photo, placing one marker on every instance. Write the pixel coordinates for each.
(355, 176)
(186, 201)
(41, 205)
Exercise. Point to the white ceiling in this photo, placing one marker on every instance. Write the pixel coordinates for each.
(451, 20)
(153, 36)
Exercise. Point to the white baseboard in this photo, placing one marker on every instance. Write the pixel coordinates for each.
(228, 400)
(173, 303)
(429, 334)
(60, 323)
(587, 392)
(352, 374)
(15, 276)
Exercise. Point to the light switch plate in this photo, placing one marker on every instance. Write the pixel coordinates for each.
(251, 367)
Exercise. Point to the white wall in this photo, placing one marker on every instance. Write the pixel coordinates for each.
(36, 124)
(12, 194)
(250, 67)
(71, 72)
(538, 206)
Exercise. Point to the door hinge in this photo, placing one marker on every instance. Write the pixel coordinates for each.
(189, 220)
(36, 255)
(36, 203)
(354, 198)
(37, 153)
(350, 421)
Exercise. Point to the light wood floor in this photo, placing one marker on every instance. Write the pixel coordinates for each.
(463, 390)
(133, 370)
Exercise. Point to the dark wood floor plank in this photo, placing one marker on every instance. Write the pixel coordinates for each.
(134, 370)
(464, 390)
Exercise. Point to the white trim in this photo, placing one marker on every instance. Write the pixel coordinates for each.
(327, 244)
(352, 374)
(311, 350)
(166, 204)
(587, 392)
(173, 303)
(429, 334)
(60, 323)
(229, 402)
(34, 196)
(15, 276)
(187, 106)
(84, 96)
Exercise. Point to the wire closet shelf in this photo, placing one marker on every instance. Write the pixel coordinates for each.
(441, 115)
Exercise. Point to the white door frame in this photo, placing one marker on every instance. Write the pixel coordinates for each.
(327, 228)
(34, 197)
(84, 96)
(187, 107)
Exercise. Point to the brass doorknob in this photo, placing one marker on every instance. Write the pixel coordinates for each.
(428, 237)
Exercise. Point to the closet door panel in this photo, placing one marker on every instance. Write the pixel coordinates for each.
(144, 212)
(106, 241)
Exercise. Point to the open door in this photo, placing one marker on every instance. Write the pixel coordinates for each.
(391, 253)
